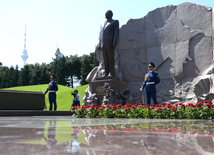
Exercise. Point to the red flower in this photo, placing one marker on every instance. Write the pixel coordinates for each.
(174, 108)
(168, 105)
(176, 105)
(133, 106)
(93, 106)
(159, 108)
(208, 104)
(74, 107)
(180, 104)
(162, 103)
(118, 106)
(137, 104)
(142, 103)
(147, 106)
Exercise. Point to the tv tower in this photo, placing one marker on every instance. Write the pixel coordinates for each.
(24, 52)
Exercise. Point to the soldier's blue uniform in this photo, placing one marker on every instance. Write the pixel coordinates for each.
(150, 82)
(52, 88)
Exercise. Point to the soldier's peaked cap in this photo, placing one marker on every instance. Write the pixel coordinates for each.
(151, 64)
(53, 76)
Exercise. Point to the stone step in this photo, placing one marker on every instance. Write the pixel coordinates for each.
(34, 113)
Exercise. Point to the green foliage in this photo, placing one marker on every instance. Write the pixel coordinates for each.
(59, 67)
(64, 97)
(87, 66)
(8, 76)
(199, 111)
(95, 62)
(65, 68)
(74, 68)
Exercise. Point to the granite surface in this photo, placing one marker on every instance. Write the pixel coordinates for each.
(178, 40)
(68, 135)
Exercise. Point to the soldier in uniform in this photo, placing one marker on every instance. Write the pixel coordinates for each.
(150, 82)
(52, 88)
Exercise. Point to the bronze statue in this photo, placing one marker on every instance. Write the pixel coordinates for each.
(108, 41)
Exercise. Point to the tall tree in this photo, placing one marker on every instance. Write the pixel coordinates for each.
(25, 76)
(74, 68)
(87, 66)
(60, 68)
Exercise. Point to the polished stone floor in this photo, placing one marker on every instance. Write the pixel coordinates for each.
(67, 135)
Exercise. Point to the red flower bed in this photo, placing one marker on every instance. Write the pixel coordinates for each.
(201, 110)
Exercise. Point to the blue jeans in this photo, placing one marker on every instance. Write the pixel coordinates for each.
(52, 99)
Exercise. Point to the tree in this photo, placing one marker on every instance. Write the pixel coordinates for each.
(25, 76)
(87, 66)
(60, 68)
(95, 61)
(44, 74)
(74, 68)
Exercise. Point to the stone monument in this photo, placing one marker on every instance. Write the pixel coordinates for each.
(179, 40)
(106, 71)
(21, 100)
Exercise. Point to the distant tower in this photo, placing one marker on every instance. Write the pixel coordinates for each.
(24, 52)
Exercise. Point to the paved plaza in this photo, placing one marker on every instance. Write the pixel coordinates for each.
(69, 135)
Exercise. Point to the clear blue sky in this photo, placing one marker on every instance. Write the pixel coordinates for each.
(72, 25)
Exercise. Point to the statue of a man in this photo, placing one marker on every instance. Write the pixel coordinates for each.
(108, 41)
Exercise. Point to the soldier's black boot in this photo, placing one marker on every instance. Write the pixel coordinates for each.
(55, 108)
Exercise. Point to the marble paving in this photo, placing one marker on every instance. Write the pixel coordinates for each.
(68, 135)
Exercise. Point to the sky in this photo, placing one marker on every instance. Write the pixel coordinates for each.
(71, 25)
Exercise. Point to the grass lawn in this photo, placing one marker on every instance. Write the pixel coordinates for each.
(64, 97)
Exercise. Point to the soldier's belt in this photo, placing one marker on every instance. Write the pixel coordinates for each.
(52, 91)
(150, 83)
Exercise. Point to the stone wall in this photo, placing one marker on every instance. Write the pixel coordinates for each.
(179, 40)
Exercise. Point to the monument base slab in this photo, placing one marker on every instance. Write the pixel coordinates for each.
(98, 87)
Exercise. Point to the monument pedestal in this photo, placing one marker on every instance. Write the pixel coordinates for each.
(100, 90)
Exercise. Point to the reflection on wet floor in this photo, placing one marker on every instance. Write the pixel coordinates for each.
(65, 135)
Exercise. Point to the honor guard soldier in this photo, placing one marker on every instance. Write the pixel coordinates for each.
(150, 82)
(52, 88)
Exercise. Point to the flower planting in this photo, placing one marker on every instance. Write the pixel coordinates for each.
(201, 110)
